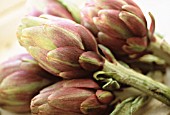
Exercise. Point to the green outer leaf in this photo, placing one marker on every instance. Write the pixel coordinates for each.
(130, 105)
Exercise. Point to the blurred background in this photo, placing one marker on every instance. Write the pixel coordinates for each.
(12, 10)
(160, 9)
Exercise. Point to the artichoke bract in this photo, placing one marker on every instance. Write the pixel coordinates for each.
(57, 43)
(72, 97)
(21, 78)
(60, 8)
(121, 26)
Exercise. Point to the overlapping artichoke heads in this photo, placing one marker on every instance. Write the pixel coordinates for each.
(21, 78)
(72, 97)
(57, 43)
(69, 50)
(88, 58)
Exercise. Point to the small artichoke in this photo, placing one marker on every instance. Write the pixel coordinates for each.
(58, 43)
(60, 8)
(121, 26)
(118, 24)
(20, 79)
(72, 97)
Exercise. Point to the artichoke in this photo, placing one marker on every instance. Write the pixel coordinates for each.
(57, 43)
(60, 8)
(20, 79)
(72, 97)
(121, 26)
(116, 24)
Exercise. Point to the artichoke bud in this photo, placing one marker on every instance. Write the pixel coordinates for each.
(20, 79)
(36, 8)
(56, 43)
(115, 22)
(64, 98)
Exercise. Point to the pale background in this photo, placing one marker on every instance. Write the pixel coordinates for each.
(11, 12)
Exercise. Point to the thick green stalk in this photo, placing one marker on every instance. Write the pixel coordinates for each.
(137, 80)
(160, 48)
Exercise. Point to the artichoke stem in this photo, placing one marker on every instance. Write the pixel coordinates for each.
(159, 47)
(130, 105)
(137, 80)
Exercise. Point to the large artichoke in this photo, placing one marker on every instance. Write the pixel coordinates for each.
(121, 26)
(72, 97)
(20, 79)
(116, 23)
(57, 44)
